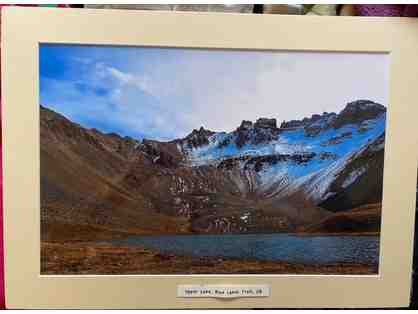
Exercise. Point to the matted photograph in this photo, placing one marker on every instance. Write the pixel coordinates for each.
(162, 161)
(182, 160)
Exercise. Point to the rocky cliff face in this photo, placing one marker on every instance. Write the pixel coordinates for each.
(257, 178)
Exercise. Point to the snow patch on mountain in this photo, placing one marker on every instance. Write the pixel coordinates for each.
(286, 168)
(353, 176)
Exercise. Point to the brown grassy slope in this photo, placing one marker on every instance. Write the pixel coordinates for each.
(364, 219)
(298, 208)
(81, 183)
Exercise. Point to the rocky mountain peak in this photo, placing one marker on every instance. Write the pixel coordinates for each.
(245, 125)
(262, 131)
(198, 137)
(354, 113)
(362, 105)
(357, 112)
(312, 125)
(266, 123)
(200, 132)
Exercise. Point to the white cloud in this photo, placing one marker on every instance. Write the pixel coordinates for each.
(218, 92)
(124, 78)
(121, 79)
(169, 95)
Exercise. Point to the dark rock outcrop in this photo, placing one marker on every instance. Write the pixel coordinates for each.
(263, 130)
(357, 112)
(245, 125)
(292, 124)
(163, 154)
(198, 137)
(266, 123)
(354, 113)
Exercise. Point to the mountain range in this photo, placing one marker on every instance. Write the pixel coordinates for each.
(323, 173)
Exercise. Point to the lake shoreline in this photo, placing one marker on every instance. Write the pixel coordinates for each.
(109, 234)
(80, 258)
(87, 233)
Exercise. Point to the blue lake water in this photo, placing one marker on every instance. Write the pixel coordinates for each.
(268, 247)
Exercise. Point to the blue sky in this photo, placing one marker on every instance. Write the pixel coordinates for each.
(164, 93)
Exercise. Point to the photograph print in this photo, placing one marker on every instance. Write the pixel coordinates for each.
(158, 161)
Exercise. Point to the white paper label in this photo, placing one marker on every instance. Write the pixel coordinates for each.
(223, 291)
